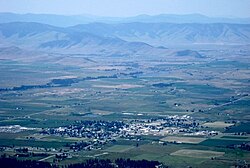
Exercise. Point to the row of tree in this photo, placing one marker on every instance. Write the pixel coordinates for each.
(7, 162)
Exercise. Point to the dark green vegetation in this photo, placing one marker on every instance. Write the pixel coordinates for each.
(93, 163)
(14, 163)
(242, 127)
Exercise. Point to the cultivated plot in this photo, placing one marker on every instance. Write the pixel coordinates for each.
(197, 153)
(182, 139)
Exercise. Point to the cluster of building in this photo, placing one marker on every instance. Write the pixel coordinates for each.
(95, 134)
(169, 125)
(104, 130)
(98, 133)
(15, 129)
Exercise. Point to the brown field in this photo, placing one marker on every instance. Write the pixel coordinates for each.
(177, 139)
(101, 112)
(122, 86)
(217, 124)
(103, 68)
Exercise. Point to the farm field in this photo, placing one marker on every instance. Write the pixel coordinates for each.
(197, 153)
(119, 148)
(182, 139)
(218, 124)
(180, 113)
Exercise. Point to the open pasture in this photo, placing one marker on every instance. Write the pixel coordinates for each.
(197, 153)
(119, 148)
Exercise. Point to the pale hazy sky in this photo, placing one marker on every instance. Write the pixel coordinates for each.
(233, 8)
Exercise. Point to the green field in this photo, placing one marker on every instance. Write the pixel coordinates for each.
(213, 92)
(119, 148)
(235, 137)
(197, 153)
(221, 142)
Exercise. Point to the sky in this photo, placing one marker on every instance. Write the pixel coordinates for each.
(125, 8)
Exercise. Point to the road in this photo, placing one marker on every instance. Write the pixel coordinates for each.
(47, 158)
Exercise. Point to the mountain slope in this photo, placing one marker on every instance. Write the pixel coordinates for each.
(38, 36)
(127, 39)
(169, 33)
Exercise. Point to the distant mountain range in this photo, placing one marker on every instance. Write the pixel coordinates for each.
(164, 34)
(118, 40)
(37, 36)
(124, 36)
(65, 21)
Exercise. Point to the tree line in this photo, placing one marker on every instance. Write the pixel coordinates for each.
(9, 162)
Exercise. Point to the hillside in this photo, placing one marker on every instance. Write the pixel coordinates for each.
(168, 33)
(43, 37)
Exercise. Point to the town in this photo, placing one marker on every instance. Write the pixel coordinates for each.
(99, 133)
